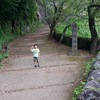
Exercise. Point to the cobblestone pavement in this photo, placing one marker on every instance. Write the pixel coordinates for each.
(54, 80)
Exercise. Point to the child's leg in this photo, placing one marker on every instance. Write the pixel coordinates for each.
(35, 62)
(38, 62)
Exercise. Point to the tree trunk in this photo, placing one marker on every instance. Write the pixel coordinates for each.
(13, 26)
(52, 28)
(51, 33)
(21, 29)
(63, 34)
(94, 36)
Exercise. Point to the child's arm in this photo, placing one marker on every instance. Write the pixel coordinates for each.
(31, 48)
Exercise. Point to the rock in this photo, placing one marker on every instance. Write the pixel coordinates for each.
(90, 95)
(98, 57)
(92, 85)
(96, 65)
(94, 75)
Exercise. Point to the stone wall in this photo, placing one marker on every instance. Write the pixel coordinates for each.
(92, 87)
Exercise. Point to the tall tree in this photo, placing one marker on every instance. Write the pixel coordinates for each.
(93, 9)
(16, 12)
(62, 10)
(55, 11)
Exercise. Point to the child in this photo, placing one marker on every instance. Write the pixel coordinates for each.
(36, 52)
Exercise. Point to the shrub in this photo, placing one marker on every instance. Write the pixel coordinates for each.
(1, 57)
(82, 29)
(83, 43)
(79, 89)
(5, 55)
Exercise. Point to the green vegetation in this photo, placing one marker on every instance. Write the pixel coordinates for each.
(82, 29)
(3, 56)
(80, 86)
(16, 19)
(5, 39)
(78, 90)
(60, 11)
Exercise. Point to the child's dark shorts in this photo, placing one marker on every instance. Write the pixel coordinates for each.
(35, 59)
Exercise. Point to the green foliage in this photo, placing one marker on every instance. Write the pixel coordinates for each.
(57, 11)
(3, 56)
(16, 10)
(36, 25)
(15, 17)
(18, 14)
(5, 36)
(1, 65)
(88, 68)
(78, 90)
(80, 86)
(82, 29)
(5, 39)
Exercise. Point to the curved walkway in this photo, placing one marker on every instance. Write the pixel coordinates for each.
(54, 80)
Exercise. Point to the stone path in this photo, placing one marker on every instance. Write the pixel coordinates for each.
(54, 80)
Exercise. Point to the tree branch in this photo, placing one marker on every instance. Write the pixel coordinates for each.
(94, 5)
(55, 7)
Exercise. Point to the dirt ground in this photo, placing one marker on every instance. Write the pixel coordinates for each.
(54, 80)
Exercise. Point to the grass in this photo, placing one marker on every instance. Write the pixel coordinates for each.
(82, 29)
(78, 90)
(75, 59)
(1, 65)
(80, 86)
(3, 56)
(5, 39)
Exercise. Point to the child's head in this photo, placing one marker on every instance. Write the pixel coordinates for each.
(35, 45)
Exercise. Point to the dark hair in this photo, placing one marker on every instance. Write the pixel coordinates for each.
(35, 45)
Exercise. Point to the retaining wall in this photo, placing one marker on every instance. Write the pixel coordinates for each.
(92, 86)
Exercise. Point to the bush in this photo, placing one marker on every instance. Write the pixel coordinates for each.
(1, 57)
(5, 55)
(83, 43)
(79, 89)
(5, 39)
(83, 34)
(82, 29)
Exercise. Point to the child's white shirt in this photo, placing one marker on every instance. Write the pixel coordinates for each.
(35, 52)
